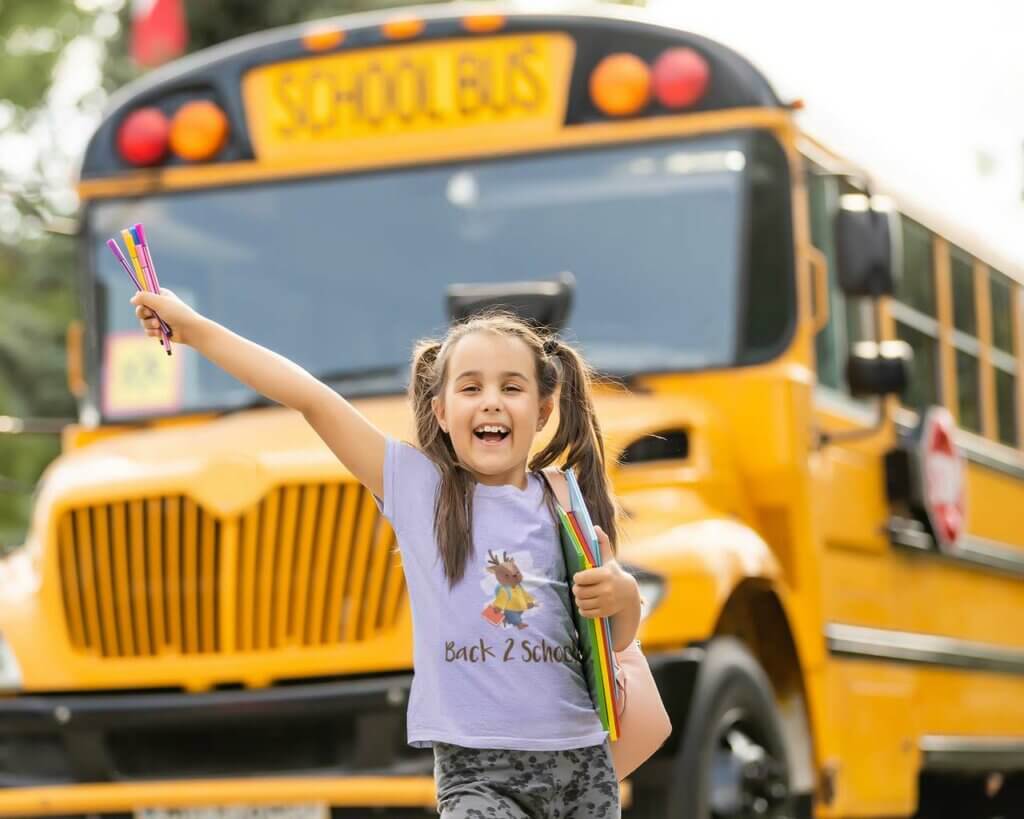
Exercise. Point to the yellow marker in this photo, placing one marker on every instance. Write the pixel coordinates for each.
(129, 243)
(133, 254)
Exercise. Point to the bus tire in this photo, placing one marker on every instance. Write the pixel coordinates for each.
(732, 759)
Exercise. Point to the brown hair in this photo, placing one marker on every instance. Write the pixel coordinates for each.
(578, 437)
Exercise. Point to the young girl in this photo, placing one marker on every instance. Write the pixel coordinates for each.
(498, 691)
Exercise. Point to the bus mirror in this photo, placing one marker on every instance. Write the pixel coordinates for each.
(864, 246)
(545, 304)
(879, 368)
(75, 358)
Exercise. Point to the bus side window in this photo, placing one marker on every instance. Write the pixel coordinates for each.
(915, 315)
(849, 319)
(1005, 299)
(966, 348)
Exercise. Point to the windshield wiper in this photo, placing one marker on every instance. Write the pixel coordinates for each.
(352, 383)
(369, 381)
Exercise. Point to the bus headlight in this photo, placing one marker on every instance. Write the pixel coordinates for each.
(10, 674)
(652, 589)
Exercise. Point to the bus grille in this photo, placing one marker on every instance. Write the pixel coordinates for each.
(308, 566)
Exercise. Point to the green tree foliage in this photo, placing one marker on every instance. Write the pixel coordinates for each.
(36, 267)
(34, 33)
(232, 18)
(36, 302)
(210, 23)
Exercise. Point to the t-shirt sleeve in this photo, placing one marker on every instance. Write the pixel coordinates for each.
(410, 484)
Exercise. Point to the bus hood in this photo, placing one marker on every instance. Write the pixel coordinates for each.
(229, 462)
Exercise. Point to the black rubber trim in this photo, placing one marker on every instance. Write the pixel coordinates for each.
(62, 712)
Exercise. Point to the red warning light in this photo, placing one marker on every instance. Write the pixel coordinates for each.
(142, 137)
(680, 78)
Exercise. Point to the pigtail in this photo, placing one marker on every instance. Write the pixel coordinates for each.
(579, 436)
(421, 390)
(453, 506)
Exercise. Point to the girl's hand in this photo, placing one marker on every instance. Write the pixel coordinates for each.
(606, 590)
(181, 318)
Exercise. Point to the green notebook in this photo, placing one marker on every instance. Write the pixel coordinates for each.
(591, 631)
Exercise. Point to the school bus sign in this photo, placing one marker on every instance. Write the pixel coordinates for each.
(312, 108)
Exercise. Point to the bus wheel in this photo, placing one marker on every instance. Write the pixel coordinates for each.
(732, 760)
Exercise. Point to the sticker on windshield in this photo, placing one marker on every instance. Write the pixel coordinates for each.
(139, 376)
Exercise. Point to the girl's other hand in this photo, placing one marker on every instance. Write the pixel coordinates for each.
(606, 590)
(177, 315)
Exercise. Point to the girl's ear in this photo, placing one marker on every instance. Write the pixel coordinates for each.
(438, 407)
(546, 408)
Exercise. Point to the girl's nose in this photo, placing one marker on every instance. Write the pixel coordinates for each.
(492, 400)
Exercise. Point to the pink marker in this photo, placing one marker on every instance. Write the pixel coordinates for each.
(116, 250)
(146, 261)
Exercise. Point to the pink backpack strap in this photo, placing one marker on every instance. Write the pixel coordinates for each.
(555, 479)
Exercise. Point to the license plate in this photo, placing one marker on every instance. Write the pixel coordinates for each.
(301, 811)
(308, 109)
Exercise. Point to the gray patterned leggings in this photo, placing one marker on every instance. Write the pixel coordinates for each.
(497, 784)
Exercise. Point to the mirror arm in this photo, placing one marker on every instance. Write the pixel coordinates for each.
(826, 437)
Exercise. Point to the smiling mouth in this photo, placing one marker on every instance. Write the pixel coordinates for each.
(491, 437)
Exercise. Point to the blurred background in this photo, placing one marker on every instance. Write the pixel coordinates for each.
(926, 95)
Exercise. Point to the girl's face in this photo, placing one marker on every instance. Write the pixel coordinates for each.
(492, 383)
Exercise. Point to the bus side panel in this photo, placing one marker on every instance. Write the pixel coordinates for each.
(872, 710)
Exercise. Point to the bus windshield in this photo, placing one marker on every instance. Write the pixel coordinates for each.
(343, 273)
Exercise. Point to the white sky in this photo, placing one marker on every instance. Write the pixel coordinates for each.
(911, 90)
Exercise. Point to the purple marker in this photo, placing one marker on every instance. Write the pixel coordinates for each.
(116, 250)
(146, 262)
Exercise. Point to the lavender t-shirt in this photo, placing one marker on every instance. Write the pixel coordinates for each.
(496, 664)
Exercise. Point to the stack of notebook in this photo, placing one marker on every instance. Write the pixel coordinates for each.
(582, 551)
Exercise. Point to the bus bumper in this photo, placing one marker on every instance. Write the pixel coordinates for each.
(341, 742)
(122, 799)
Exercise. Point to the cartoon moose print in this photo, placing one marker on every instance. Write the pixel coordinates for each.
(510, 598)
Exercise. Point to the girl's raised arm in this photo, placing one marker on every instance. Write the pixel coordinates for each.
(357, 443)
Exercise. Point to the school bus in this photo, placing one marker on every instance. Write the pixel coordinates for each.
(209, 615)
